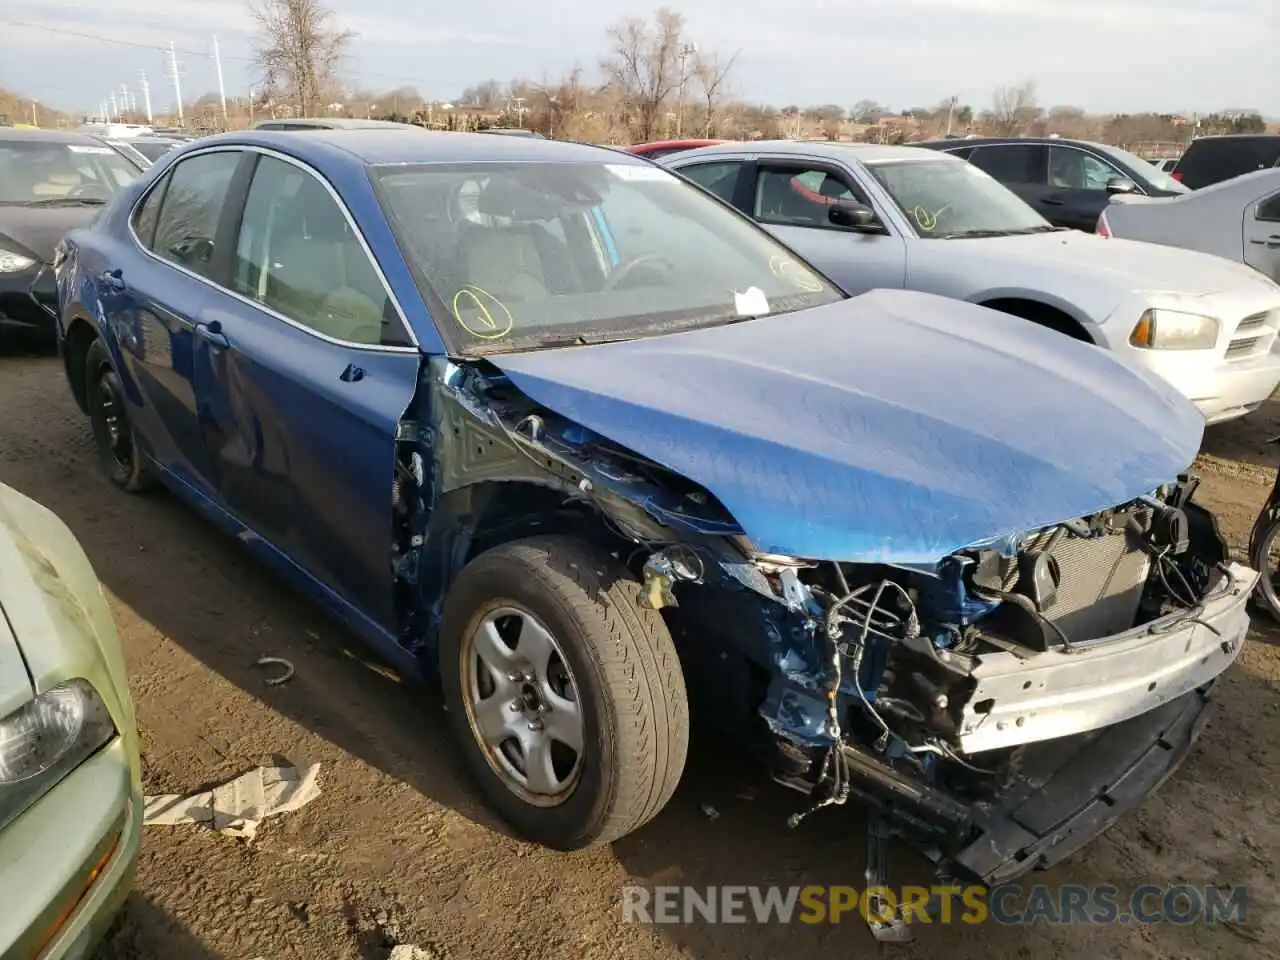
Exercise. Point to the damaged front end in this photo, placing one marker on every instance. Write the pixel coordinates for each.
(999, 707)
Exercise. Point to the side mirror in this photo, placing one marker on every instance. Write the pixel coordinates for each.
(1121, 185)
(856, 216)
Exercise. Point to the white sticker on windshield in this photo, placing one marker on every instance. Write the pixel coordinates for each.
(81, 148)
(751, 303)
(639, 171)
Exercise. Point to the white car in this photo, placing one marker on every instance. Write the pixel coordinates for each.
(878, 216)
(1238, 219)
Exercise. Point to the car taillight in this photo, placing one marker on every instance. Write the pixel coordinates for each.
(1177, 175)
(1102, 229)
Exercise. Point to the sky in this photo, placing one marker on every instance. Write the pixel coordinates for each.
(1103, 55)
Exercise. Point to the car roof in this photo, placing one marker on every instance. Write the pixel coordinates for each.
(48, 136)
(956, 144)
(374, 147)
(332, 123)
(834, 149)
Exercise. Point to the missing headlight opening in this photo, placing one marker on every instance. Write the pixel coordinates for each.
(943, 695)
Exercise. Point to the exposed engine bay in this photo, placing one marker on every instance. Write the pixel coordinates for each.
(944, 695)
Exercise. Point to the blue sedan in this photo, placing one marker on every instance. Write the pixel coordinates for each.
(555, 423)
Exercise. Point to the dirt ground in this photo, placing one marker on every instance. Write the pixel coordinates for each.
(399, 849)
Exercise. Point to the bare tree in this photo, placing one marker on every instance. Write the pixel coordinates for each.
(1014, 109)
(300, 49)
(866, 111)
(712, 72)
(644, 65)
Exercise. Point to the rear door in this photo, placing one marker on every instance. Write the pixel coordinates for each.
(1077, 187)
(792, 199)
(1262, 236)
(158, 301)
(305, 377)
(1024, 169)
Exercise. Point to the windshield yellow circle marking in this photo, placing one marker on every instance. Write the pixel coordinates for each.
(486, 326)
(784, 268)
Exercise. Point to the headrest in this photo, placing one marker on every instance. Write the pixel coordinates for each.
(505, 197)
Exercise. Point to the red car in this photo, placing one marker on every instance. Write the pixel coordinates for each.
(657, 149)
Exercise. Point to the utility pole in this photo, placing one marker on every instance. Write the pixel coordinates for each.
(35, 117)
(124, 98)
(115, 108)
(177, 82)
(519, 102)
(222, 87)
(951, 111)
(251, 95)
(146, 93)
(686, 51)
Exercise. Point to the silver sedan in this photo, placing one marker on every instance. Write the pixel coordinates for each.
(1238, 219)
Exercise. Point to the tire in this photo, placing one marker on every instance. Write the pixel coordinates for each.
(1265, 594)
(628, 688)
(105, 398)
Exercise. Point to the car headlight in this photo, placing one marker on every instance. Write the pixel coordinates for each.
(11, 262)
(1174, 330)
(47, 738)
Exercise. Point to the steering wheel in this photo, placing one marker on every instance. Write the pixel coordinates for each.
(83, 190)
(626, 269)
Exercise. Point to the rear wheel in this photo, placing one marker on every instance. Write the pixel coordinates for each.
(112, 430)
(1266, 560)
(565, 691)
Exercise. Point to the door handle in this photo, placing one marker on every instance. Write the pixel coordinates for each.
(112, 279)
(1271, 241)
(212, 333)
(1052, 201)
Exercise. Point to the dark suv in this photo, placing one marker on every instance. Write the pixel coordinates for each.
(1210, 160)
(1069, 182)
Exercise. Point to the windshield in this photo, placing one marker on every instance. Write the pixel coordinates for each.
(153, 149)
(945, 199)
(45, 171)
(514, 256)
(1148, 171)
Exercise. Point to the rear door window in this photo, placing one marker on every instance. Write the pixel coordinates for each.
(187, 225)
(1018, 163)
(720, 177)
(1269, 209)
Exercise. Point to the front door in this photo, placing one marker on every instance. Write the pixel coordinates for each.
(306, 374)
(792, 200)
(1262, 236)
(1079, 180)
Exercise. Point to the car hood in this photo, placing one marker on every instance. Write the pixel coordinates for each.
(895, 427)
(35, 231)
(1130, 264)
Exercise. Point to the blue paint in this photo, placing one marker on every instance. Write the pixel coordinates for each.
(895, 427)
(610, 247)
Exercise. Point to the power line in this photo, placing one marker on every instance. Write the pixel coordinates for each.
(167, 50)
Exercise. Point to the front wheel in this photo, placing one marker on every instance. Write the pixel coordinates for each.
(112, 431)
(565, 690)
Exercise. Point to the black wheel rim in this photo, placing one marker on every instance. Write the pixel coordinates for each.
(114, 434)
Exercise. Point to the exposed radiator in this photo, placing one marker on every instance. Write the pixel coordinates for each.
(1102, 579)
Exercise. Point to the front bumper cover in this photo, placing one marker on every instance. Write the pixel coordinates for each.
(29, 299)
(1070, 791)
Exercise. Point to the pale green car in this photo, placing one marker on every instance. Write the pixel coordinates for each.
(70, 783)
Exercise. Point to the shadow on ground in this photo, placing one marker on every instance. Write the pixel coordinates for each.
(146, 931)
